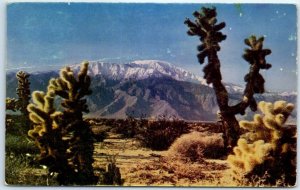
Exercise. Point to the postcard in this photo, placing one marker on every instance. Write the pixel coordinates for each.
(151, 94)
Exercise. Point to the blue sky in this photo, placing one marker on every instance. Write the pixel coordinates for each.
(40, 35)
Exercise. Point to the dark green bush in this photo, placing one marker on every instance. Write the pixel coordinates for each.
(160, 134)
(128, 127)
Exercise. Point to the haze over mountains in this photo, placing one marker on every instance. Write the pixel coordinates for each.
(148, 87)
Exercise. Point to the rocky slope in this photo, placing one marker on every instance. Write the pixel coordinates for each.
(150, 88)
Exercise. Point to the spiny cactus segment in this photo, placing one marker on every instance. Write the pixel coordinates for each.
(268, 146)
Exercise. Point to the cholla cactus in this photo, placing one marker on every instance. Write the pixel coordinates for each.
(247, 156)
(65, 140)
(269, 127)
(268, 146)
(47, 134)
(23, 92)
(72, 90)
(206, 27)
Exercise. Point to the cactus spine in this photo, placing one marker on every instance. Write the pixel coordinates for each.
(268, 146)
(206, 27)
(68, 133)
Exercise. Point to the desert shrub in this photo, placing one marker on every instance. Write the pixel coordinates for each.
(268, 150)
(100, 132)
(196, 146)
(128, 127)
(12, 125)
(111, 175)
(99, 137)
(99, 128)
(160, 134)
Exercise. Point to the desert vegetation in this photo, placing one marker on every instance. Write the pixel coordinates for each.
(51, 141)
(196, 157)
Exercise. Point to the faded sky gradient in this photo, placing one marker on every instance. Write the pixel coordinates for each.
(41, 35)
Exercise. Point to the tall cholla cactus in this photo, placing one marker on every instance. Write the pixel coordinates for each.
(268, 146)
(47, 133)
(23, 92)
(65, 140)
(80, 142)
(205, 26)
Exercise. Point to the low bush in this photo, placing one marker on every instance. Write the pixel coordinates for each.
(127, 127)
(196, 146)
(13, 125)
(160, 134)
(111, 175)
(100, 132)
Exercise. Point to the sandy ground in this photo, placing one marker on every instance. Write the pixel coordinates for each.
(144, 167)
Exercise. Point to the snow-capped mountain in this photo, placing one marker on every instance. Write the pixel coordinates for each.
(141, 69)
(148, 87)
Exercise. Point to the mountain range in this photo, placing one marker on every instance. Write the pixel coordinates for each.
(150, 88)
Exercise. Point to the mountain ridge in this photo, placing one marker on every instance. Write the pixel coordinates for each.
(148, 87)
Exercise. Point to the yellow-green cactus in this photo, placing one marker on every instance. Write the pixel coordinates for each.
(46, 131)
(270, 126)
(247, 156)
(42, 113)
(72, 89)
(64, 138)
(268, 146)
